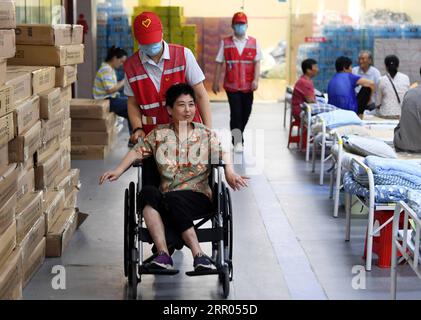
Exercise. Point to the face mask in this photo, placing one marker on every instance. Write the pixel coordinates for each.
(151, 50)
(240, 29)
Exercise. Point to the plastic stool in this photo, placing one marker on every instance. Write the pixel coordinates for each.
(291, 138)
(382, 245)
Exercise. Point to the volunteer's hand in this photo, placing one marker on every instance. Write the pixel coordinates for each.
(110, 176)
(135, 136)
(255, 85)
(215, 88)
(235, 181)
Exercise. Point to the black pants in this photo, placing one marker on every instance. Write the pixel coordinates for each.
(363, 99)
(240, 107)
(150, 173)
(118, 105)
(178, 209)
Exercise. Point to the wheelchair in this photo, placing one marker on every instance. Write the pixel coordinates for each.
(220, 234)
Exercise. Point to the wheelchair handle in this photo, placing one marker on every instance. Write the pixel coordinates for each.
(219, 165)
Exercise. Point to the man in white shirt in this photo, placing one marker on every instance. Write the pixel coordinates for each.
(368, 71)
(242, 56)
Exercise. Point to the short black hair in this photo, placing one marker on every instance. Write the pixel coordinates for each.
(342, 63)
(115, 52)
(392, 64)
(176, 91)
(307, 65)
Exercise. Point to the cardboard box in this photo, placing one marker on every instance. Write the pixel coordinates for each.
(7, 214)
(90, 152)
(7, 129)
(66, 109)
(7, 242)
(26, 183)
(91, 138)
(31, 55)
(24, 146)
(61, 233)
(50, 102)
(89, 109)
(7, 15)
(47, 150)
(11, 277)
(4, 157)
(52, 127)
(32, 239)
(28, 211)
(34, 262)
(71, 201)
(67, 130)
(8, 185)
(7, 103)
(21, 83)
(7, 44)
(26, 165)
(42, 78)
(47, 171)
(65, 76)
(44, 34)
(53, 207)
(75, 174)
(77, 34)
(92, 125)
(65, 158)
(26, 115)
(66, 93)
(64, 182)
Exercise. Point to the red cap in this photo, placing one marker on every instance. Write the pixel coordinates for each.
(239, 17)
(147, 28)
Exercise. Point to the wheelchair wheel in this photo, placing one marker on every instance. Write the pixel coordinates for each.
(126, 232)
(228, 224)
(132, 249)
(225, 281)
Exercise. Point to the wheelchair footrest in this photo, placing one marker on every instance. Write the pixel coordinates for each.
(163, 272)
(202, 273)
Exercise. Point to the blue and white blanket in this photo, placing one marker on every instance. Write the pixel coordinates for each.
(383, 193)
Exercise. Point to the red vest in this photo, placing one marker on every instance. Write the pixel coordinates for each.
(239, 73)
(150, 101)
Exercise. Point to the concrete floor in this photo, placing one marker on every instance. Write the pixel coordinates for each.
(287, 245)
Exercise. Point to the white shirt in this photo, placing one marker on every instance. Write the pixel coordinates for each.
(371, 74)
(386, 96)
(239, 44)
(194, 74)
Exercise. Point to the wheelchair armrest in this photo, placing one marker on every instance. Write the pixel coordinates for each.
(137, 163)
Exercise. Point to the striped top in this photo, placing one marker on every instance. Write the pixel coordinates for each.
(105, 79)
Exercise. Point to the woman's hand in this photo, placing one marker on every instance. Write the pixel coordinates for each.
(110, 175)
(135, 136)
(235, 181)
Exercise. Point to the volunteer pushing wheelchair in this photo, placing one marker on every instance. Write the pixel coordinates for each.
(186, 155)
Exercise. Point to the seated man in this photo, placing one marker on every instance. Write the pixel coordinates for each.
(341, 88)
(304, 88)
(184, 151)
(408, 131)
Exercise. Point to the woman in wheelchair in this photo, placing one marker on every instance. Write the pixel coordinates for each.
(184, 151)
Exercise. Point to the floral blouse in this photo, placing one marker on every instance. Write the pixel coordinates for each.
(183, 165)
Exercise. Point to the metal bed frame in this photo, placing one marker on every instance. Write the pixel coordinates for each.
(402, 243)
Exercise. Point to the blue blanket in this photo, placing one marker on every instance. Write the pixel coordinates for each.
(340, 118)
(405, 173)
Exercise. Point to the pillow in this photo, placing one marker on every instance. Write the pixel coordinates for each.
(365, 146)
(340, 118)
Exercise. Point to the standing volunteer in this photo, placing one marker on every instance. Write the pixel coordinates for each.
(242, 55)
(148, 75)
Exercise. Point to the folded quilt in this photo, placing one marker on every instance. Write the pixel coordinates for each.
(339, 118)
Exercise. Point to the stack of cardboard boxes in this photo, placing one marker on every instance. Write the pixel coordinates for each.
(38, 189)
(173, 22)
(11, 271)
(93, 129)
